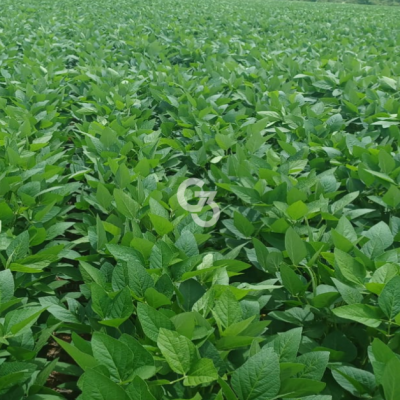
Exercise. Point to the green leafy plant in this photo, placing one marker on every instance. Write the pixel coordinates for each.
(108, 287)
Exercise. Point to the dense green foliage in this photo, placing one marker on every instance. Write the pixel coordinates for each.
(369, 2)
(109, 290)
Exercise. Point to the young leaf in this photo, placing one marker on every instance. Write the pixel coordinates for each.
(85, 361)
(161, 225)
(227, 309)
(291, 281)
(295, 246)
(297, 210)
(243, 224)
(125, 204)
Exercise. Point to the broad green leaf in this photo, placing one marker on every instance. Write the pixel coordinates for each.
(85, 361)
(227, 309)
(300, 387)
(286, 344)
(6, 286)
(344, 201)
(362, 313)
(291, 281)
(138, 390)
(228, 392)
(390, 379)
(261, 253)
(18, 321)
(161, 225)
(178, 350)
(349, 267)
(115, 355)
(187, 243)
(156, 299)
(389, 299)
(18, 248)
(355, 381)
(139, 279)
(349, 294)
(96, 386)
(380, 239)
(315, 364)
(243, 224)
(202, 371)
(103, 196)
(12, 373)
(91, 274)
(143, 361)
(295, 246)
(125, 204)
(101, 234)
(392, 197)
(152, 320)
(258, 378)
(297, 210)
